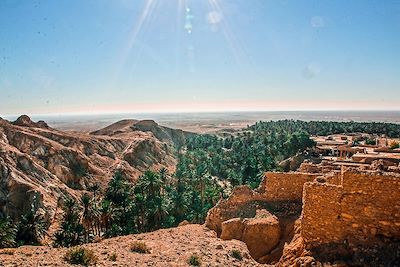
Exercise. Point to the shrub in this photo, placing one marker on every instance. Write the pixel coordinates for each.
(236, 254)
(113, 257)
(140, 247)
(394, 145)
(31, 228)
(194, 260)
(7, 233)
(80, 255)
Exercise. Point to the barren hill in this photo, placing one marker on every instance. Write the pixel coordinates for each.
(41, 164)
(164, 134)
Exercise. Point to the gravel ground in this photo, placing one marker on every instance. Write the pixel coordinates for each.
(168, 247)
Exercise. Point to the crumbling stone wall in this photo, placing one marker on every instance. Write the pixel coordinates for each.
(364, 207)
(279, 193)
(242, 203)
(284, 186)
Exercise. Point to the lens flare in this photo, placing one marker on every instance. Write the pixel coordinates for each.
(217, 15)
(215, 18)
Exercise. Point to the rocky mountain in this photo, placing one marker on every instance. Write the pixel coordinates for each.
(40, 165)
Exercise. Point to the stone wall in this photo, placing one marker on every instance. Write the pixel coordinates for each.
(363, 207)
(285, 186)
(279, 192)
(242, 203)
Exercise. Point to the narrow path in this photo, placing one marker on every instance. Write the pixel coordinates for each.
(118, 158)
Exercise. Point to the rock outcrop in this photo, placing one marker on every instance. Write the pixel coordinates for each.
(261, 234)
(24, 120)
(262, 218)
(232, 229)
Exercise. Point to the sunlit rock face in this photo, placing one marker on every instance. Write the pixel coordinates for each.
(40, 165)
(261, 233)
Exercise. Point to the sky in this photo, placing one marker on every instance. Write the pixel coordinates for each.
(114, 56)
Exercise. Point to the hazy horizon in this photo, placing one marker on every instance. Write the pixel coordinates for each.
(210, 121)
(190, 56)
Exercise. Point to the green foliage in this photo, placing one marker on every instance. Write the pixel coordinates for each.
(332, 127)
(118, 207)
(243, 158)
(369, 141)
(90, 215)
(72, 232)
(118, 190)
(80, 255)
(152, 202)
(194, 260)
(31, 228)
(7, 233)
(139, 247)
(236, 254)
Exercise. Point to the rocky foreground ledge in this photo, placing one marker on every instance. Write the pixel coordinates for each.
(168, 247)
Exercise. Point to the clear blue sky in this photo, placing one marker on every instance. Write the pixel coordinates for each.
(70, 56)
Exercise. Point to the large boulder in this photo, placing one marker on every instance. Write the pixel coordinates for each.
(261, 235)
(232, 229)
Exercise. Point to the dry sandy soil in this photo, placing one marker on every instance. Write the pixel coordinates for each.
(169, 247)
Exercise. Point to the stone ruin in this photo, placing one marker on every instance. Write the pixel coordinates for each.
(331, 216)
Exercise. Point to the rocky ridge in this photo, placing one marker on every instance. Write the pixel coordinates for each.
(42, 165)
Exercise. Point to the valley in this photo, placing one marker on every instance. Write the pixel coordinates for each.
(258, 186)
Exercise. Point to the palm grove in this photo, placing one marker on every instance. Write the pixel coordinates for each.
(208, 168)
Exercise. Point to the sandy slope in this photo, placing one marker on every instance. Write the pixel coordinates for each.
(169, 247)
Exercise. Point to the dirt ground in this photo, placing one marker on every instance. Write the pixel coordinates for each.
(168, 247)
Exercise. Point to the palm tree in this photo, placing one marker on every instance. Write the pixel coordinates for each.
(31, 228)
(163, 175)
(94, 188)
(7, 233)
(106, 212)
(118, 190)
(72, 232)
(180, 199)
(149, 200)
(87, 214)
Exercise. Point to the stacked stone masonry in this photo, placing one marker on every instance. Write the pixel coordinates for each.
(285, 186)
(360, 209)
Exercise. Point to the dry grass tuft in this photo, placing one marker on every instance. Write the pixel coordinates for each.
(80, 255)
(140, 247)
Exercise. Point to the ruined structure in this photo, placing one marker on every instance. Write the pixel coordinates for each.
(362, 209)
(350, 215)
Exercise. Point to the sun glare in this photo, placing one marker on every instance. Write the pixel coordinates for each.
(215, 17)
